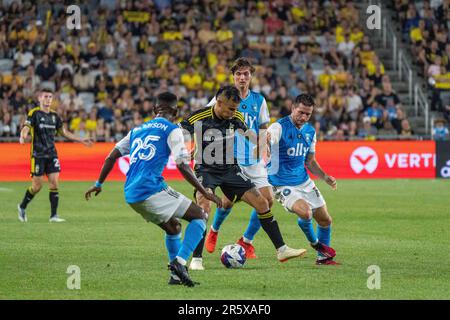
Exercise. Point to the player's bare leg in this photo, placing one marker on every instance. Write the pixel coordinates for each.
(322, 216)
(36, 185)
(302, 209)
(254, 198)
(197, 260)
(53, 179)
(267, 193)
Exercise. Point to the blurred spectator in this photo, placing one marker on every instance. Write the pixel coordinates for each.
(388, 98)
(82, 80)
(106, 74)
(23, 57)
(64, 64)
(353, 104)
(406, 131)
(346, 47)
(336, 105)
(46, 70)
(387, 131)
(440, 131)
(366, 130)
(93, 57)
(272, 24)
(7, 127)
(375, 113)
(199, 101)
(91, 124)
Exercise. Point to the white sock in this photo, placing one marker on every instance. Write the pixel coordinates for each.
(315, 242)
(282, 248)
(212, 228)
(181, 260)
(247, 240)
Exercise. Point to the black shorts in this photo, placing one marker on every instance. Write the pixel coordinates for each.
(233, 182)
(39, 166)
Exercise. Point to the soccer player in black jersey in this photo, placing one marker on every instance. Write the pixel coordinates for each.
(44, 124)
(213, 129)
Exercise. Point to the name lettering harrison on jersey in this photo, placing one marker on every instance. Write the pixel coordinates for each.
(149, 153)
(287, 165)
(151, 124)
(251, 108)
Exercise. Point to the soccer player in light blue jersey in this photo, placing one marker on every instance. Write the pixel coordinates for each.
(293, 145)
(149, 146)
(256, 114)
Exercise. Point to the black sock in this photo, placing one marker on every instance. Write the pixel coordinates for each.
(199, 249)
(270, 226)
(28, 197)
(54, 199)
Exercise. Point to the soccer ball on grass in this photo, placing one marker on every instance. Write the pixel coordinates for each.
(233, 256)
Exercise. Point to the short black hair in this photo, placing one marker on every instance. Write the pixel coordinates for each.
(48, 90)
(305, 99)
(242, 63)
(230, 93)
(166, 99)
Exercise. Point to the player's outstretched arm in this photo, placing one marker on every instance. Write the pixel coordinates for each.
(69, 135)
(314, 167)
(108, 165)
(24, 134)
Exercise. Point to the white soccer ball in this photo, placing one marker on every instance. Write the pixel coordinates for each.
(233, 256)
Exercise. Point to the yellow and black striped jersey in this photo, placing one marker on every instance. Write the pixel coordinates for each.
(43, 128)
(214, 137)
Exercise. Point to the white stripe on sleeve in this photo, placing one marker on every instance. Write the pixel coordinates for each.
(264, 113)
(175, 140)
(275, 131)
(124, 145)
(211, 103)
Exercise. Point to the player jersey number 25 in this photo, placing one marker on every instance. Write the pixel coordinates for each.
(144, 150)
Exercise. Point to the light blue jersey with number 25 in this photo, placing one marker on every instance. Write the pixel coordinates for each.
(149, 152)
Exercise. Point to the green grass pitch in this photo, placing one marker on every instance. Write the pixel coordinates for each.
(402, 226)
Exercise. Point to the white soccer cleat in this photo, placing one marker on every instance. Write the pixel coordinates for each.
(22, 215)
(196, 264)
(290, 253)
(56, 219)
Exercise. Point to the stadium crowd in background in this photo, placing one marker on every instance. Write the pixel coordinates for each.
(107, 74)
(426, 26)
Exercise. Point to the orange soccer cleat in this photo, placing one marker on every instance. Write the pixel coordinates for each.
(211, 240)
(249, 249)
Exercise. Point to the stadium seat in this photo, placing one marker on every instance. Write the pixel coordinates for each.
(283, 66)
(134, 41)
(152, 39)
(113, 66)
(6, 65)
(95, 73)
(88, 99)
(445, 97)
(84, 40)
(64, 96)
